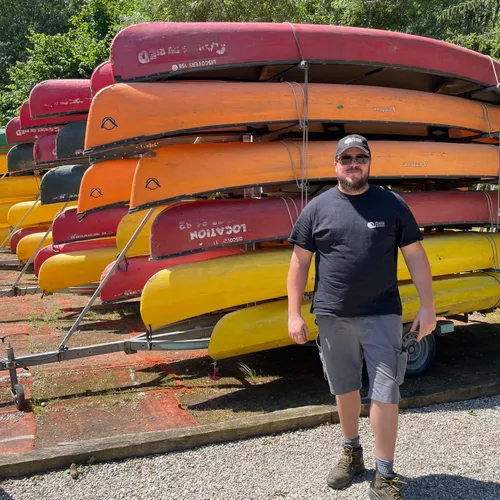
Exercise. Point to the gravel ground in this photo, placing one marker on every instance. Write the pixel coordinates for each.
(448, 451)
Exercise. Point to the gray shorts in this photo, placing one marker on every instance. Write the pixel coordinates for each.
(344, 342)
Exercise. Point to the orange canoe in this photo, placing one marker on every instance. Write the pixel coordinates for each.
(181, 171)
(106, 184)
(143, 114)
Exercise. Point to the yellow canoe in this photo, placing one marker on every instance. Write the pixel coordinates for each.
(20, 186)
(40, 214)
(74, 269)
(3, 163)
(126, 229)
(189, 290)
(5, 206)
(265, 326)
(4, 231)
(29, 244)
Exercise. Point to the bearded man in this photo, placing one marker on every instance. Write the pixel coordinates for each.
(355, 230)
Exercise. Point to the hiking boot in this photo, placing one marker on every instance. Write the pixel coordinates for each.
(385, 488)
(350, 463)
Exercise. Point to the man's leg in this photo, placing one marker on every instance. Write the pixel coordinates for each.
(384, 423)
(349, 408)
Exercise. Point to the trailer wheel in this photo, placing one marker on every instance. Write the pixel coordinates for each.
(19, 397)
(420, 354)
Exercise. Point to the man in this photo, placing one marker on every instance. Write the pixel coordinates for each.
(355, 230)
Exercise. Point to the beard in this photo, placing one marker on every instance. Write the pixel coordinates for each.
(356, 186)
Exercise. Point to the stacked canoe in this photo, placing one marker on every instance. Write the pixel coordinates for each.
(204, 141)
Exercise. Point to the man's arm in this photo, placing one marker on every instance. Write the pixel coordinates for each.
(421, 275)
(296, 284)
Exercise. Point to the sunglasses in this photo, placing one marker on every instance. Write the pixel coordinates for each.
(360, 159)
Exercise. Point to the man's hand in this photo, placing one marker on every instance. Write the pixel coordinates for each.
(425, 321)
(297, 330)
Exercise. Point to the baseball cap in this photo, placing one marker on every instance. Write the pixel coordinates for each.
(352, 141)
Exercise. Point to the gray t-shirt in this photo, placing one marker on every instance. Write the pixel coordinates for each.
(356, 239)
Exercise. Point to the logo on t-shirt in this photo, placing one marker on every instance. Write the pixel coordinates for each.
(373, 225)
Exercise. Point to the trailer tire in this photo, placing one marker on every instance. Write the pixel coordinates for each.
(420, 354)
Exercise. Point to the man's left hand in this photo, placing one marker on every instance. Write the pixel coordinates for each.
(425, 321)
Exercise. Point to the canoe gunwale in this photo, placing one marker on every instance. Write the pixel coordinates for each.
(83, 214)
(158, 138)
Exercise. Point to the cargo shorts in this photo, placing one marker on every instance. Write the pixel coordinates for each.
(343, 343)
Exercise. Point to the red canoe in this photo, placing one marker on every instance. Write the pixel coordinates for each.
(129, 279)
(44, 150)
(101, 224)
(59, 98)
(27, 122)
(76, 246)
(336, 54)
(18, 235)
(194, 227)
(101, 77)
(15, 135)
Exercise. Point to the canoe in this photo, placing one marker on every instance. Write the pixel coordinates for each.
(74, 269)
(106, 184)
(66, 248)
(39, 215)
(27, 122)
(335, 54)
(4, 145)
(126, 229)
(265, 326)
(44, 149)
(15, 135)
(60, 97)
(101, 77)
(186, 291)
(62, 184)
(27, 245)
(3, 163)
(70, 140)
(160, 111)
(130, 277)
(4, 233)
(67, 227)
(20, 158)
(18, 235)
(6, 205)
(20, 186)
(185, 228)
(181, 171)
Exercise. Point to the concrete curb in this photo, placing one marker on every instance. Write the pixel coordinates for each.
(148, 443)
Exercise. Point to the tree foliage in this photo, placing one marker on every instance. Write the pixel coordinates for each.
(44, 39)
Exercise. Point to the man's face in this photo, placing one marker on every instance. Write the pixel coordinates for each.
(353, 169)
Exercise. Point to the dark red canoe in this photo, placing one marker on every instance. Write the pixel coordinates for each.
(130, 277)
(18, 235)
(76, 246)
(101, 77)
(185, 228)
(44, 150)
(101, 224)
(335, 54)
(28, 122)
(59, 98)
(15, 135)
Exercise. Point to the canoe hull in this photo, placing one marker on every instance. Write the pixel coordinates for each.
(74, 269)
(70, 140)
(106, 184)
(27, 122)
(67, 227)
(26, 246)
(257, 51)
(181, 171)
(18, 235)
(66, 248)
(15, 135)
(41, 214)
(161, 111)
(194, 227)
(131, 276)
(44, 150)
(265, 326)
(101, 77)
(62, 184)
(20, 159)
(59, 98)
(22, 186)
(191, 290)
